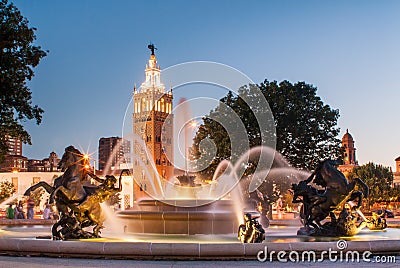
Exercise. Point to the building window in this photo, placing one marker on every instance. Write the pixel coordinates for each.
(127, 201)
(14, 181)
(35, 180)
(162, 106)
(144, 107)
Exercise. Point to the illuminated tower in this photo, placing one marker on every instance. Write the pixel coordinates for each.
(349, 149)
(153, 123)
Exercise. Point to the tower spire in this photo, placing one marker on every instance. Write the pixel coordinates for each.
(153, 79)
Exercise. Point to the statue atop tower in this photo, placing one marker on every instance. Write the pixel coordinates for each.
(152, 48)
(153, 75)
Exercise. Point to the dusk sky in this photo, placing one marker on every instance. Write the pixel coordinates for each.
(350, 50)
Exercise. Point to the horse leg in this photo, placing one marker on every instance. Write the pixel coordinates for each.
(55, 232)
(95, 217)
(53, 194)
(43, 184)
(356, 195)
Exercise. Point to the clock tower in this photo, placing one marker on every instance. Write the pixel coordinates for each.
(153, 124)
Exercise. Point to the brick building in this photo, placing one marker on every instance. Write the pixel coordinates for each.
(13, 160)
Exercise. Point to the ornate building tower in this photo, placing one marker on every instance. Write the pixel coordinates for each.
(153, 123)
(349, 149)
(349, 160)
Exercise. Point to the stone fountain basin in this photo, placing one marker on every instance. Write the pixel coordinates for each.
(180, 217)
(20, 240)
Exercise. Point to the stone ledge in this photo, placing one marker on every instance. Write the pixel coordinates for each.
(148, 250)
(26, 222)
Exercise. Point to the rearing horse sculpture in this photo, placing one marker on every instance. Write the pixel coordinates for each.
(78, 204)
(73, 165)
(318, 204)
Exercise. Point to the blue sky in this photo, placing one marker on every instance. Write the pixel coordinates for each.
(98, 50)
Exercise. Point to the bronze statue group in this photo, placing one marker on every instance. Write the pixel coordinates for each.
(76, 199)
(325, 191)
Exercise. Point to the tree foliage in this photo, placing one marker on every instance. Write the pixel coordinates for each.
(18, 57)
(6, 190)
(306, 128)
(379, 180)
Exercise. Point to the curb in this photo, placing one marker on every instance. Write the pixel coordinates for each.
(180, 251)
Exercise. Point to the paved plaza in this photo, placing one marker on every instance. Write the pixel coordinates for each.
(39, 262)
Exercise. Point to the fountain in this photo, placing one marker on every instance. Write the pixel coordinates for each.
(180, 205)
(180, 219)
(206, 242)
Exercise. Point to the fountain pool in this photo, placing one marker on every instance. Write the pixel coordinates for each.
(20, 240)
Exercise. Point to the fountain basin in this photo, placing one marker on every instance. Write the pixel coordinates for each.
(180, 217)
(21, 241)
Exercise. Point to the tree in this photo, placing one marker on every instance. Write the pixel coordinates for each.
(18, 57)
(6, 190)
(379, 180)
(306, 128)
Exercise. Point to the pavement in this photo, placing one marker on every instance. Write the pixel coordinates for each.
(41, 262)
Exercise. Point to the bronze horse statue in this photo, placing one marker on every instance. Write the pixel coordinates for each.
(88, 212)
(336, 190)
(77, 203)
(73, 165)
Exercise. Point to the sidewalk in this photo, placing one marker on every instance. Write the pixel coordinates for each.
(40, 262)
